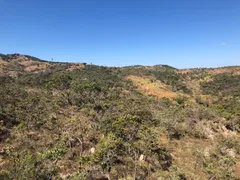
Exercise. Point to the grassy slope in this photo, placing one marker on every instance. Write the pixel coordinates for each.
(51, 118)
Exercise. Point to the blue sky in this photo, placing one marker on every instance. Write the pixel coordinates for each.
(180, 33)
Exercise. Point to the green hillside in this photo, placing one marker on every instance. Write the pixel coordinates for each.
(81, 121)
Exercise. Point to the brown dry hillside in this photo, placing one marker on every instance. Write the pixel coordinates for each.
(17, 63)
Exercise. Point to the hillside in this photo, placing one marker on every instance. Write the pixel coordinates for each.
(81, 121)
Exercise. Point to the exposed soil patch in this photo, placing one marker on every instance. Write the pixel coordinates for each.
(237, 170)
(149, 86)
(75, 66)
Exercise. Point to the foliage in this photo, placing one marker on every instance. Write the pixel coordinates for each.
(81, 123)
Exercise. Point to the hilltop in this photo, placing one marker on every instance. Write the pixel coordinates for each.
(83, 121)
(13, 64)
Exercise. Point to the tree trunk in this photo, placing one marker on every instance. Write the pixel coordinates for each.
(81, 146)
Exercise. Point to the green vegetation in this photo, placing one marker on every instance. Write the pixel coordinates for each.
(94, 123)
(223, 84)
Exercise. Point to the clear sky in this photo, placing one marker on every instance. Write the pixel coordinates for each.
(180, 33)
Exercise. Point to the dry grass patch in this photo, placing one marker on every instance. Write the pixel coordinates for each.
(75, 66)
(225, 70)
(2, 63)
(237, 170)
(185, 156)
(150, 86)
(38, 67)
(26, 62)
(235, 70)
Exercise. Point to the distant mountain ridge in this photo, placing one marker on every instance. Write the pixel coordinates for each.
(24, 60)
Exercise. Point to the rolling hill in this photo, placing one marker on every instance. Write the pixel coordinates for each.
(83, 121)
